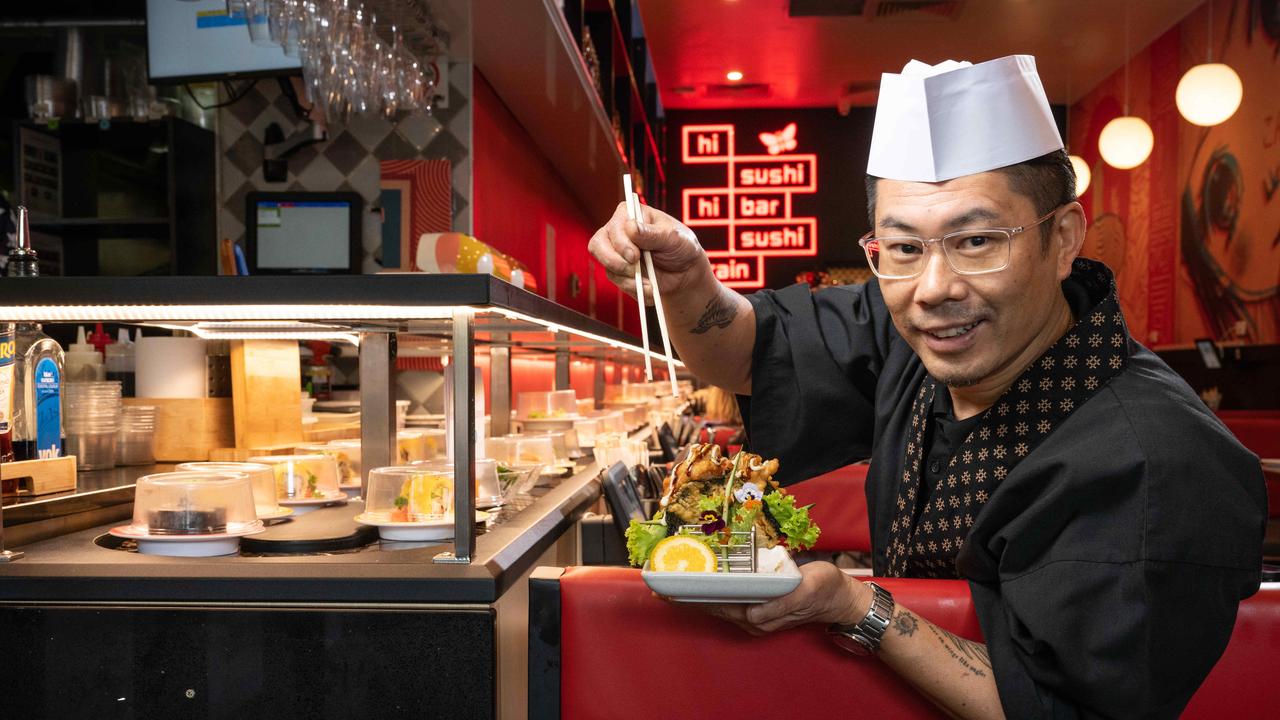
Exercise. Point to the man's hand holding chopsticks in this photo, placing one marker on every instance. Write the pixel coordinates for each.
(677, 256)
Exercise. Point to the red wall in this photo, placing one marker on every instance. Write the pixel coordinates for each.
(530, 375)
(1181, 276)
(516, 195)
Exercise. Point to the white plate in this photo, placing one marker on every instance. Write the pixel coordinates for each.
(704, 587)
(337, 499)
(441, 529)
(281, 512)
(185, 545)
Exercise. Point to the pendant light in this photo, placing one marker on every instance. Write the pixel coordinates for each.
(1078, 165)
(1209, 93)
(1126, 141)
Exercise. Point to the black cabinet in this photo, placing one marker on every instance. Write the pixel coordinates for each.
(131, 198)
(627, 90)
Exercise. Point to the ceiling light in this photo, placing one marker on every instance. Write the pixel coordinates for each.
(733, 75)
(1209, 93)
(1083, 176)
(1126, 142)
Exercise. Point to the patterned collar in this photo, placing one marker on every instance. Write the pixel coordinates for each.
(1068, 374)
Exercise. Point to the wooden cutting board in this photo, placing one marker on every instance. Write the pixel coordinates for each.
(266, 385)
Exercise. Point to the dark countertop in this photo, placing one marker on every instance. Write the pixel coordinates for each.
(72, 568)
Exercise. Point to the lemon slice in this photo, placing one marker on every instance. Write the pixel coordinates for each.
(681, 553)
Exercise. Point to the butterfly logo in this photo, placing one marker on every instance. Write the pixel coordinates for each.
(782, 141)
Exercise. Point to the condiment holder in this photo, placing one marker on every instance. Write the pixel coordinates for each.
(191, 514)
(261, 479)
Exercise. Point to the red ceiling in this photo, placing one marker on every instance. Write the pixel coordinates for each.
(814, 61)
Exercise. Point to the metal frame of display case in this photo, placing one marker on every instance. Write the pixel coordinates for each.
(453, 311)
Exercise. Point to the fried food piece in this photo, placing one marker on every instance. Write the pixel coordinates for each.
(704, 462)
(685, 502)
(767, 534)
(761, 472)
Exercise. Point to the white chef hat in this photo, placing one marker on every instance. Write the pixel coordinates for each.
(938, 122)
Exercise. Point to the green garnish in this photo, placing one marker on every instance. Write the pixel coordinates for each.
(642, 535)
(709, 502)
(402, 502)
(794, 521)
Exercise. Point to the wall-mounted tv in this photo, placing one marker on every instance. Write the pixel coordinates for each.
(191, 41)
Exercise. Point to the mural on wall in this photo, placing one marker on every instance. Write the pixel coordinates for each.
(1194, 232)
(1230, 212)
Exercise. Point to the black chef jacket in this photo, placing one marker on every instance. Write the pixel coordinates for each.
(1106, 569)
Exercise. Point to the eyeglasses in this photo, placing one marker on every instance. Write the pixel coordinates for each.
(968, 252)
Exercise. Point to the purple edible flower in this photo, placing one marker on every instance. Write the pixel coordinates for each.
(712, 523)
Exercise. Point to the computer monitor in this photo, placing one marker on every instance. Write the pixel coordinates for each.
(303, 232)
(189, 41)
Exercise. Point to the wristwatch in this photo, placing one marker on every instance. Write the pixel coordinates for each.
(863, 637)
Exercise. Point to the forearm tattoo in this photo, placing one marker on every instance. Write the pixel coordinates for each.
(973, 656)
(905, 623)
(718, 313)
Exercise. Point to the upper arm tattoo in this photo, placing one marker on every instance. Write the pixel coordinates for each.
(718, 313)
(972, 655)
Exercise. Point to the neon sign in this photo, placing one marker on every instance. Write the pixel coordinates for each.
(748, 218)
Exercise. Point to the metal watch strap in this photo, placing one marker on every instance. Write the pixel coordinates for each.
(868, 632)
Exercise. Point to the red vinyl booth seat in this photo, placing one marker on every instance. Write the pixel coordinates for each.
(616, 651)
(626, 654)
(1258, 430)
(839, 501)
(718, 435)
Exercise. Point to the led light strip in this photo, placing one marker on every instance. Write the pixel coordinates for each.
(238, 313)
(552, 327)
(270, 316)
(278, 335)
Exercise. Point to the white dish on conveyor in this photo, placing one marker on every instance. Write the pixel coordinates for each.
(227, 543)
(280, 512)
(436, 529)
(305, 505)
(777, 575)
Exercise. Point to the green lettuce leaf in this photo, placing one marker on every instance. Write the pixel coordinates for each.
(710, 502)
(794, 521)
(642, 535)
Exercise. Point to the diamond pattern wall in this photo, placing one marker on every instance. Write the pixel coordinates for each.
(347, 161)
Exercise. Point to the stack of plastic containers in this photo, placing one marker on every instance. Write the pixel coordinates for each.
(93, 423)
(137, 445)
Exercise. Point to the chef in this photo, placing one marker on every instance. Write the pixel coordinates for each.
(1107, 523)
